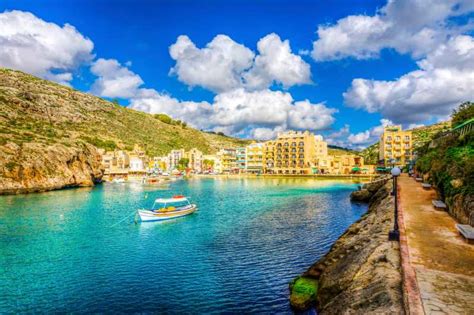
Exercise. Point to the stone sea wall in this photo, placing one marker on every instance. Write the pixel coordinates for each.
(361, 272)
(36, 167)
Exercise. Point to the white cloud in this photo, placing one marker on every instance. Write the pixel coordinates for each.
(114, 80)
(216, 67)
(445, 79)
(360, 140)
(276, 63)
(48, 50)
(224, 65)
(408, 26)
(256, 113)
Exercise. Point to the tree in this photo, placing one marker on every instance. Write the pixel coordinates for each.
(208, 164)
(183, 164)
(464, 112)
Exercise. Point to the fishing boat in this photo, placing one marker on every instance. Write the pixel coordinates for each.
(167, 208)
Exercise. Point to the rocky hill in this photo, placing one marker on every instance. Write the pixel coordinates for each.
(421, 136)
(49, 134)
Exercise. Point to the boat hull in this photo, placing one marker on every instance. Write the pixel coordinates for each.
(149, 216)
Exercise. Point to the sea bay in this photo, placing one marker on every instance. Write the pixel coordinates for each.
(79, 250)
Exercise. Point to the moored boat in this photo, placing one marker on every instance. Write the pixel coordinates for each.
(167, 208)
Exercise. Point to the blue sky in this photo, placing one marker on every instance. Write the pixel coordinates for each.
(357, 63)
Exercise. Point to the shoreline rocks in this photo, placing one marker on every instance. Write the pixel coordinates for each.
(361, 272)
(36, 167)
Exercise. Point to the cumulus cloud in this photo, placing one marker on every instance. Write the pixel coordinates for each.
(444, 79)
(276, 63)
(223, 64)
(409, 26)
(217, 67)
(114, 80)
(48, 50)
(257, 113)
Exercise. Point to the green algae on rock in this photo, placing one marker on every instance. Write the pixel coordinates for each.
(303, 292)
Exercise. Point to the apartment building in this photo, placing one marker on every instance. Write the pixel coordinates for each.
(240, 159)
(321, 146)
(396, 146)
(226, 161)
(293, 152)
(195, 158)
(174, 157)
(254, 158)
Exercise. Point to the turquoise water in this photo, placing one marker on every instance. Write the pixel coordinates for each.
(73, 251)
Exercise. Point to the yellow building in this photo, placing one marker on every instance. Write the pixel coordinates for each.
(195, 159)
(115, 160)
(396, 146)
(293, 152)
(254, 158)
(321, 146)
(340, 164)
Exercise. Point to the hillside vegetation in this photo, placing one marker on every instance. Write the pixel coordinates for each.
(448, 163)
(49, 134)
(421, 136)
(35, 110)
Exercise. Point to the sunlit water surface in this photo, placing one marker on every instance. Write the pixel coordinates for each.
(77, 251)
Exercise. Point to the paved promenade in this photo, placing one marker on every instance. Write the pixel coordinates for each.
(443, 263)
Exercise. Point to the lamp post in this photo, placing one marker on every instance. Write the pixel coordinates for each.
(394, 235)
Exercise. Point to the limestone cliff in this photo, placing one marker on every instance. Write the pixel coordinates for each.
(361, 273)
(35, 167)
(49, 134)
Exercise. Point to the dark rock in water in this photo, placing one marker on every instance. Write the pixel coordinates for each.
(362, 195)
(366, 193)
(374, 186)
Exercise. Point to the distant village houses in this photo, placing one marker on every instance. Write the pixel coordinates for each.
(291, 153)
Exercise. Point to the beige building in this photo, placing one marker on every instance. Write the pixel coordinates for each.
(321, 146)
(396, 146)
(195, 158)
(254, 158)
(226, 161)
(293, 152)
(340, 164)
(115, 160)
(173, 158)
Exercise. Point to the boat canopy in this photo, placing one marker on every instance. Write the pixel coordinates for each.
(171, 200)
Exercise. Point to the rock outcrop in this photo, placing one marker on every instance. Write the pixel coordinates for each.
(367, 191)
(461, 207)
(361, 273)
(35, 167)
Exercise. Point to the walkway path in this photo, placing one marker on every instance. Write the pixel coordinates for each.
(443, 262)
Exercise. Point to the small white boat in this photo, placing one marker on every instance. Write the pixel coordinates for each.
(166, 209)
(118, 180)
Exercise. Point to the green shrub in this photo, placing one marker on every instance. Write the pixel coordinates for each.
(464, 112)
(10, 166)
(164, 118)
(108, 145)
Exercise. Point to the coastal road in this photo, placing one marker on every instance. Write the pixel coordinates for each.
(443, 262)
